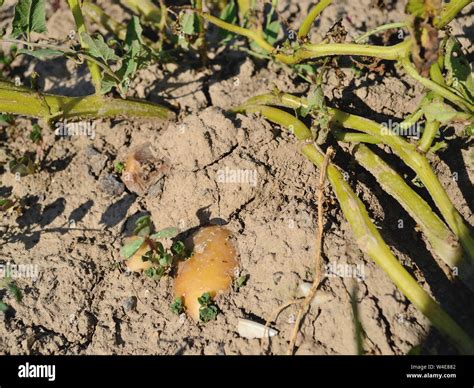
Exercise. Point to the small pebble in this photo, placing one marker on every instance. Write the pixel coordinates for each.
(110, 185)
(129, 304)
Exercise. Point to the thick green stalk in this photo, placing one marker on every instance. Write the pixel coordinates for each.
(367, 235)
(432, 126)
(418, 163)
(405, 150)
(23, 101)
(371, 243)
(250, 34)
(280, 117)
(81, 28)
(311, 17)
(450, 11)
(443, 241)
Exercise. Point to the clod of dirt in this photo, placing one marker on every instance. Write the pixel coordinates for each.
(210, 269)
(129, 304)
(143, 169)
(110, 185)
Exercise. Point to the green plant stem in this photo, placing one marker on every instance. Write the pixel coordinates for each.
(399, 52)
(311, 17)
(376, 30)
(405, 150)
(371, 243)
(66, 51)
(277, 116)
(81, 28)
(443, 241)
(355, 137)
(253, 35)
(23, 101)
(310, 51)
(450, 11)
(435, 87)
(432, 126)
(429, 134)
(418, 163)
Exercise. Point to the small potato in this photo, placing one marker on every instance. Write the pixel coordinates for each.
(210, 269)
(135, 263)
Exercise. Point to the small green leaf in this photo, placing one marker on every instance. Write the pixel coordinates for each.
(469, 130)
(189, 23)
(142, 226)
(119, 167)
(165, 260)
(229, 15)
(165, 233)
(41, 53)
(6, 204)
(459, 73)
(6, 119)
(177, 307)
(178, 248)
(128, 250)
(35, 134)
(416, 8)
(14, 290)
(205, 299)
(3, 307)
(30, 16)
(271, 32)
(97, 48)
(208, 313)
(154, 273)
(241, 281)
(439, 111)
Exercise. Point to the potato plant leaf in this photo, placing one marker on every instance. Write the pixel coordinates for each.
(459, 72)
(30, 16)
(98, 49)
(41, 53)
(165, 233)
(129, 250)
(229, 15)
(439, 111)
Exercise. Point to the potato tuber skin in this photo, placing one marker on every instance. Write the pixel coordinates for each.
(135, 263)
(210, 269)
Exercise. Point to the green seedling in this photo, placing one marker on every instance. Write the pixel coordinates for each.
(8, 284)
(177, 307)
(208, 310)
(366, 234)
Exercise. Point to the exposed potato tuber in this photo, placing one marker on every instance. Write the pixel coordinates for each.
(210, 269)
(135, 263)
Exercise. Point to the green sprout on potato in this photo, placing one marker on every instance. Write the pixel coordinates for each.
(145, 252)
